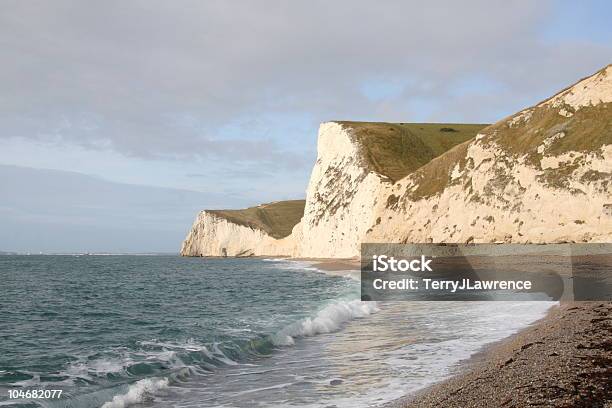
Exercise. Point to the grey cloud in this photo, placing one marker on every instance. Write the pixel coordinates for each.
(161, 79)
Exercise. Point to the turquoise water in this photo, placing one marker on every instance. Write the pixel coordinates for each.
(116, 331)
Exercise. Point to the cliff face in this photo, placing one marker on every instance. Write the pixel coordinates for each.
(356, 167)
(340, 198)
(541, 175)
(265, 229)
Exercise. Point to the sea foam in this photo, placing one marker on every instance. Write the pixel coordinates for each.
(138, 392)
(327, 320)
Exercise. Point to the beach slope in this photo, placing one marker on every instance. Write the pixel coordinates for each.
(564, 360)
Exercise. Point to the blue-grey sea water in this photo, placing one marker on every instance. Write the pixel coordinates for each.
(167, 331)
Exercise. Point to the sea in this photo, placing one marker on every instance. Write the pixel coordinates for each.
(117, 331)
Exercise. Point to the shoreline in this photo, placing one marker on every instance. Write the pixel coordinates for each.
(561, 360)
(485, 354)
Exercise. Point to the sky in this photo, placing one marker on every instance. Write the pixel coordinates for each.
(218, 102)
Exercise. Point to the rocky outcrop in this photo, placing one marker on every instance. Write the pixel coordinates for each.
(542, 175)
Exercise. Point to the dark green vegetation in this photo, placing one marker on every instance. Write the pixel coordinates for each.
(395, 150)
(277, 219)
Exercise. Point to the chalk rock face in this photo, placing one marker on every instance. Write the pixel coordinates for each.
(340, 198)
(262, 230)
(543, 175)
(212, 235)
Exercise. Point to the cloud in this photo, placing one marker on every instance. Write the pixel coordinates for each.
(159, 79)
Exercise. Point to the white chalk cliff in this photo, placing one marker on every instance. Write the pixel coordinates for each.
(341, 196)
(542, 175)
(211, 235)
(265, 229)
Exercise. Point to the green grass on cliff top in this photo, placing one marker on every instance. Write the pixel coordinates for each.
(395, 150)
(277, 219)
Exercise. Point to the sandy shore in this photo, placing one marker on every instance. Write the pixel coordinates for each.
(564, 360)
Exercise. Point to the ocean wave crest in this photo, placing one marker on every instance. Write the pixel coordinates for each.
(327, 320)
(138, 392)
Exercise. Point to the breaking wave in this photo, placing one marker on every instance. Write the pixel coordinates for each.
(327, 320)
(189, 358)
(138, 392)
